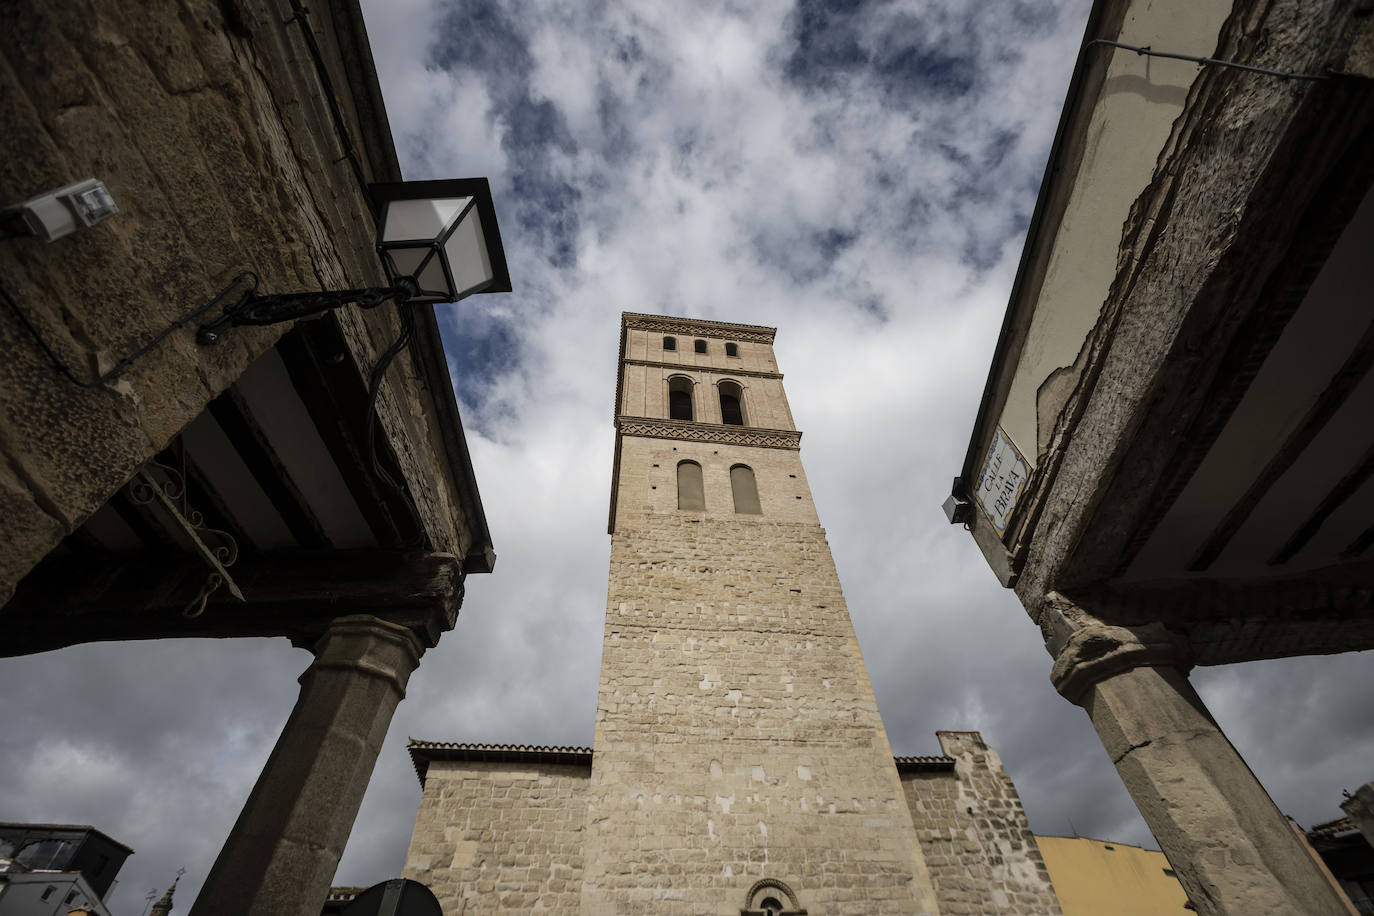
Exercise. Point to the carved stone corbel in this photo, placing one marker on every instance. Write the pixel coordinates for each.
(1098, 652)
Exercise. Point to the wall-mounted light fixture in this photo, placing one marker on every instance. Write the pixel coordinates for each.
(55, 214)
(438, 242)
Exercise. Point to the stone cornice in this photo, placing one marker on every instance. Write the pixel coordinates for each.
(713, 370)
(651, 428)
(698, 326)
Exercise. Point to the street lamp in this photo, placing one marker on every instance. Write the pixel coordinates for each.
(438, 242)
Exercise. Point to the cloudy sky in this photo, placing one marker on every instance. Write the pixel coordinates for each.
(858, 175)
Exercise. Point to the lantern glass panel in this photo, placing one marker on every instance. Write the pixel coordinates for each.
(420, 219)
(467, 255)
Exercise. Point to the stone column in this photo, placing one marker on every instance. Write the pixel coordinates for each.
(282, 853)
(1232, 848)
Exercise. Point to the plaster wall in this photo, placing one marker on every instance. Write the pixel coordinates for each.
(1129, 125)
(1093, 877)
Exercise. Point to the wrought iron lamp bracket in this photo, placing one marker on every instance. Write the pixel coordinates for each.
(254, 308)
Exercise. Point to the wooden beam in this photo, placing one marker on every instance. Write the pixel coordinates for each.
(1342, 491)
(289, 593)
(335, 395)
(1331, 400)
(234, 417)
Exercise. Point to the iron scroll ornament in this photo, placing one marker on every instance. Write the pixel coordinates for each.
(253, 308)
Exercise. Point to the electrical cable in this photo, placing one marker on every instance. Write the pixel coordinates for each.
(299, 14)
(1209, 61)
(373, 420)
(127, 361)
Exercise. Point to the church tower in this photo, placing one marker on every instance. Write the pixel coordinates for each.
(740, 767)
(740, 764)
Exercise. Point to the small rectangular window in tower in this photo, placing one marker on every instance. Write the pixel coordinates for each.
(670, 343)
(700, 346)
(732, 349)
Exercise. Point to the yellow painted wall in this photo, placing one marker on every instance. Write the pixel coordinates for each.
(1095, 878)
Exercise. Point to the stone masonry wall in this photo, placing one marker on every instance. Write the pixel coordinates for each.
(977, 842)
(737, 733)
(205, 120)
(501, 838)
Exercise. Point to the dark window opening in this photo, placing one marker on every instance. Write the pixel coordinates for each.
(729, 410)
(700, 346)
(680, 405)
(679, 399)
(670, 343)
(731, 404)
(691, 494)
(732, 349)
(48, 893)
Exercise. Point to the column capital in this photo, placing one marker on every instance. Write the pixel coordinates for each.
(370, 646)
(1096, 651)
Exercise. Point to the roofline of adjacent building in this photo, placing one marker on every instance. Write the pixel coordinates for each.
(350, 32)
(1093, 839)
(422, 753)
(1104, 21)
(926, 764)
(84, 827)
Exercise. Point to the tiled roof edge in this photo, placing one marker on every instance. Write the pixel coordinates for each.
(644, 319)
(422, 752)
(934, 764)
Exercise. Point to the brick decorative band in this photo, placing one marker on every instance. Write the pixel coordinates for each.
(699, 328)
(697, 432)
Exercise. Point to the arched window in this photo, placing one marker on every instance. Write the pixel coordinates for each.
(690, 492)
(670, 343)
(732, 349)
(746, 492)
(699, 346)
(679, 398)
(731, 404)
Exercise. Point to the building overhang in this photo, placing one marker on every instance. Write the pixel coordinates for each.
(1209, 431)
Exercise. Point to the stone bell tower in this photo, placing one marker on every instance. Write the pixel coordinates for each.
(739, 764)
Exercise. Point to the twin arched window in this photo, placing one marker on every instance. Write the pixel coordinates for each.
(691, 490)
(680, 401)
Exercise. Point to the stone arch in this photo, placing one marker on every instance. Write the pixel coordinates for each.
(763, 900)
